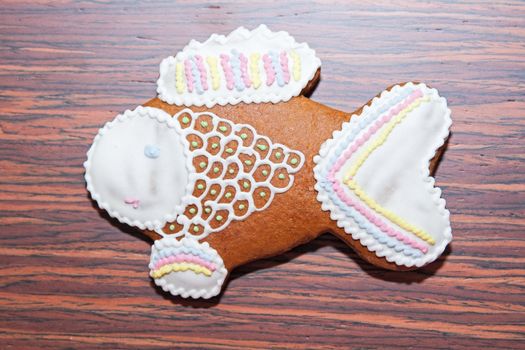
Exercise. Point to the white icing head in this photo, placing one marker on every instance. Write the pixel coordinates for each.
(137, 169)
(245, 66)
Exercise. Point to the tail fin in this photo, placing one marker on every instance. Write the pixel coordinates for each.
(374, 179)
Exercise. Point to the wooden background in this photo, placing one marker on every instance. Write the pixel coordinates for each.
(72, 278)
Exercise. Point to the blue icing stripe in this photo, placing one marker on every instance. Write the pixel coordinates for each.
(236, 68)
(196, 76)
(277, 68)
(361, 221)
(164, 253)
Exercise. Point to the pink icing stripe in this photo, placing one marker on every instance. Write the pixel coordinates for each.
(284, 67)
(184, 258)
(270, 73)
(244, 70)
(348, 153)
(189, 75)
(225, 63)
(202, 71)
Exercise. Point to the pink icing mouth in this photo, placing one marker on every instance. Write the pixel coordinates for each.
(134, 202)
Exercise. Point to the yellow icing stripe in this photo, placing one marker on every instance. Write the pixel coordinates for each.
(296, 71)
(179, 73)
(215, 77)
(368, 200)
(254, 70)
(180, 267)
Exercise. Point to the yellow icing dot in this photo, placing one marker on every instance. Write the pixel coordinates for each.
(254, 70)
(296, 70)
(179, 77)
(215, 77)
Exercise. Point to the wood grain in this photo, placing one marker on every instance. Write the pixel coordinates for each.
(72, 278)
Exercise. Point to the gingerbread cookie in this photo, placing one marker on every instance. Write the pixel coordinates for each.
(231, 164)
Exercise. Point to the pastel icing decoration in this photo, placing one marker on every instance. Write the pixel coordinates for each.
(373, 176)
(245, 66)
(186, 267)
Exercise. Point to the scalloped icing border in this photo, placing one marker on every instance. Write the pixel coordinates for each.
(372, 245)
(249, 95)
(183, 291)
(161, 117)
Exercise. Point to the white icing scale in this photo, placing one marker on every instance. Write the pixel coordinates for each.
(300, 62)
(289, 163)
(395, 175)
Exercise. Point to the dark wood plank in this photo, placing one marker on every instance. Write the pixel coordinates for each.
(71, 278)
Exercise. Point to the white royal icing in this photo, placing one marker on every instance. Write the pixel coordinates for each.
(137, 189)
(300, 62)
(395, 176)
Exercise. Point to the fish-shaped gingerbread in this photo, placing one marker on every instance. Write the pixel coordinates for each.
(232, 163)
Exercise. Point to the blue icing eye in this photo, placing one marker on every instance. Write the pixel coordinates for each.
(151, 151)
